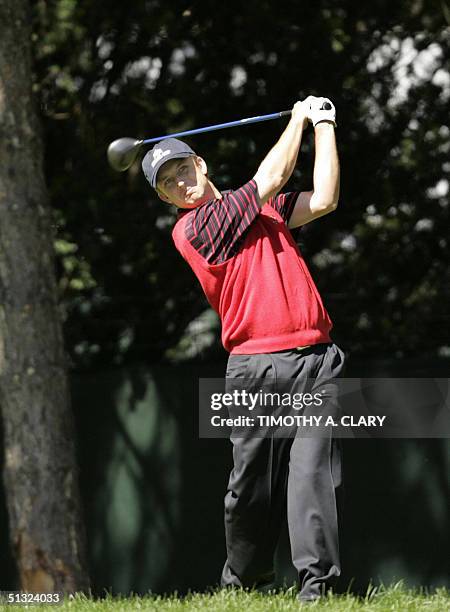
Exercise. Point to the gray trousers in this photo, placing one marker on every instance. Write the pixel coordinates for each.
(270, 474)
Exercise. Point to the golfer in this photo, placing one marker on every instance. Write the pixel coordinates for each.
(275, 326)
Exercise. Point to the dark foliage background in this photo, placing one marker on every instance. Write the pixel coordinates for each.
(110, 69)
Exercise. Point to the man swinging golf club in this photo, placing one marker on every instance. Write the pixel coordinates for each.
(274, 325)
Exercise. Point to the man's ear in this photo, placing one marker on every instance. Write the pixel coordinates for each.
(163, 197)
(201, 164)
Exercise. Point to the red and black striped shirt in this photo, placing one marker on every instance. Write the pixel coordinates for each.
(217, 228)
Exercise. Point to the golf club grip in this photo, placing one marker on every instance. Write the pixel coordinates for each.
(288, 113)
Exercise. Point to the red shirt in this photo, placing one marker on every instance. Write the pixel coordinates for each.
(261, 288)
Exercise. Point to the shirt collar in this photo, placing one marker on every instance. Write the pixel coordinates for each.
(184, 211)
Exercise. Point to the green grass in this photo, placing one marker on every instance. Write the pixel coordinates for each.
(378, 599)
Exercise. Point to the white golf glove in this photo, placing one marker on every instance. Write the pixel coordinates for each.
(317, 113)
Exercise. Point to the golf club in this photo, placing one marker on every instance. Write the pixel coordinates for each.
(123, 151)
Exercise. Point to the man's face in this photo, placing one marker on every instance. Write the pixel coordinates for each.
(183, 182)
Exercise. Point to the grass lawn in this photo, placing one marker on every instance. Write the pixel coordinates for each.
(394, 598)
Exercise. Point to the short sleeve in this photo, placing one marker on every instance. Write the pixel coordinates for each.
(284, 204)
(217, 228)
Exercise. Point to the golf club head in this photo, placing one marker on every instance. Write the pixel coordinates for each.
(123, 152)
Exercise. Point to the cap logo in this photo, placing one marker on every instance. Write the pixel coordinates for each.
(159, 154)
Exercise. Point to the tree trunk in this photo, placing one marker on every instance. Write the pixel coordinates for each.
(40, 473)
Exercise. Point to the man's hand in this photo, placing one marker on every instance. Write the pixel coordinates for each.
(301, 111)
(317, 114)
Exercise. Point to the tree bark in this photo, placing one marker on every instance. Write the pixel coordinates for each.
(40, 473)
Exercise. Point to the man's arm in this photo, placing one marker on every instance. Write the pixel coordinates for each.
(324, 198)
(278, 165)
